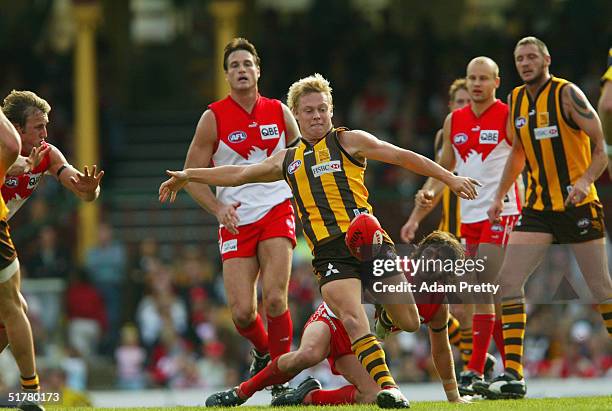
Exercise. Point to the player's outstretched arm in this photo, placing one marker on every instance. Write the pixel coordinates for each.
(364, 145)
(85, 184)
(442, 354)
(267, 171)
(431, 192)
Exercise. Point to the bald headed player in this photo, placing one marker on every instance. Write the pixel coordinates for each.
(476, 144)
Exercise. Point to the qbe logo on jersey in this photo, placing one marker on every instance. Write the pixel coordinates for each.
(269, 132)
(325, 168)
(489, 137)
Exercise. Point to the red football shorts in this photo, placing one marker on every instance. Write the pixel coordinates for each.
(340, 344)
(278, 222)
(485, 232)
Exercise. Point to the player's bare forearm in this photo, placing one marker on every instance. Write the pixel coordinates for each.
(514, 166)
(232, 176)
(443, 361)
(437, 187)
(204, 196)
(599, 162)
(223, 176)
(418, 214)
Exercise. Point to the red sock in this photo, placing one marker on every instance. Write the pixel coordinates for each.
(482, 329)
(498, 336)
(344, 395)
(268, 376)
(280, 333)
(256, 334)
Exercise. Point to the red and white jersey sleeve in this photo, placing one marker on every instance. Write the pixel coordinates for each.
(17, 189)
(249, 138)
(481, 149)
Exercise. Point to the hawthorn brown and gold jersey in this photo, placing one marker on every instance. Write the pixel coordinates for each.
(557, 151)
(327, 184)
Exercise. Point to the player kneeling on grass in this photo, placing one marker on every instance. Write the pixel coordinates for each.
(324, 336)
(433, 311)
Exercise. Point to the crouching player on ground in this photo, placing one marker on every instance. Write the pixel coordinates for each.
(324, 336)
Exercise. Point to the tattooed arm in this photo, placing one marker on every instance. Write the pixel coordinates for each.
(576, 107)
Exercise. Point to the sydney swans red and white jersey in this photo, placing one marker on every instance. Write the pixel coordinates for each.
(17, 189)
(481, 150)
(249, 138)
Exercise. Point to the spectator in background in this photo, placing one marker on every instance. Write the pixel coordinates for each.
(130, 358)
(51, 260)
(86, 313)
(106, 264)
(159, 310)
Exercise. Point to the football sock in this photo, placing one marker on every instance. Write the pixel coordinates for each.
(465, 346)
(482, 330)
(30, 383)
(514, 321)
(606, 312)
(454, 335)
(372, 357)
(256, 334)
(498, 336)
(268, 376)
(344, 395)
(280, 333)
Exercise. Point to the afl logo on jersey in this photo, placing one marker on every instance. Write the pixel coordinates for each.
(520, 122)
(237, 137)
(11, 182)
(460, 138)
(294, 166)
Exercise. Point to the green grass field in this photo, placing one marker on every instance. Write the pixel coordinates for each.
(535, 404)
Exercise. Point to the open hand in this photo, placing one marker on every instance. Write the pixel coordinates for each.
(228, 217)
(35, 158)
(86, 182)
(464, 187)
(170, 187)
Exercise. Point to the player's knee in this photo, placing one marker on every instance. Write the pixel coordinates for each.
(461, 313)
(408, 323)
(351, 323)
(243, 316)
(275, 304)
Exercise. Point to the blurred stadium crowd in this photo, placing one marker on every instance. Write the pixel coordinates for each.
(152, 314)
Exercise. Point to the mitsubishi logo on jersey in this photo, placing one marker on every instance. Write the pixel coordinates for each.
(331, 270)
